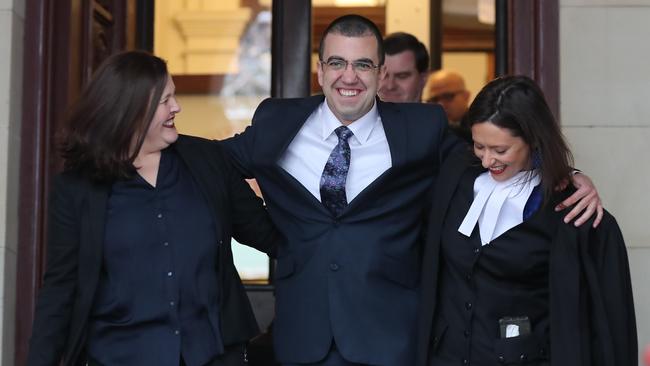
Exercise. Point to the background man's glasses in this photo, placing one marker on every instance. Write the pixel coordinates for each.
(338, 64)
(444, 97)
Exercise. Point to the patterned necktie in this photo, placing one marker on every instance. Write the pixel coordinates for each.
(332, 182)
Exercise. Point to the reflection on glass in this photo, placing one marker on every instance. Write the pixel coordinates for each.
(220, 56)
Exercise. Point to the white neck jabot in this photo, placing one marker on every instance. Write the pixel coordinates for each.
(498, 206)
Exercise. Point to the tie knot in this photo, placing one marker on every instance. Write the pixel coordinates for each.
(343, 133)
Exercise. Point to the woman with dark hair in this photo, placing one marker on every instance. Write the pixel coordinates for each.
(139, 265)
(504, 280)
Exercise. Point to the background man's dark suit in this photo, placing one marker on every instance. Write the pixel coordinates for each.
(76, 235)
(353, 278)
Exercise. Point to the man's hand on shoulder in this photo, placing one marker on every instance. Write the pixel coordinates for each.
(586, 200)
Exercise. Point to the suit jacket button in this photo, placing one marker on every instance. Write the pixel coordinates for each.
(523, 357)
(502, 359)
(334, 267)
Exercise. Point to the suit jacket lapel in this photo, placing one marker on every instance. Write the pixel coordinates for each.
(288, 128)
(447, 182)
(391, 119)
(92, 218)
(450, 175)
(91, 240)
(396, 137)
(97, 206)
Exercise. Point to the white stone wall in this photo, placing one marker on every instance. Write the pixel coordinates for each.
(605, 112)
(12, 20)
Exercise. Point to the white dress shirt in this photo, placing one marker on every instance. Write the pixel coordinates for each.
(307, 154)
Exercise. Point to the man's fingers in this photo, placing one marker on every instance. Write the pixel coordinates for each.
(586, 214)
(575, 211)
(571, 200)
(581, 205)
(599, 215)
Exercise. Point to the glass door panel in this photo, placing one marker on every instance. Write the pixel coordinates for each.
(219, 54)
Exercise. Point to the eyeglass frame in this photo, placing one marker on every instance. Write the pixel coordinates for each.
(355, 65)
(447, 96)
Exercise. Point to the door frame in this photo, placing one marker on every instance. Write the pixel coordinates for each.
(53, 77)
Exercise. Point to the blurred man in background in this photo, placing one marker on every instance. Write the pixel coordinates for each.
(407, 65)
(448, 89)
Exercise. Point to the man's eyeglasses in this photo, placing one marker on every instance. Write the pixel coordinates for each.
(338, 64)
(444, 97)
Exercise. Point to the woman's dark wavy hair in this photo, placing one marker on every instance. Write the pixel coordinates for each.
(516, 103)
(107, 125)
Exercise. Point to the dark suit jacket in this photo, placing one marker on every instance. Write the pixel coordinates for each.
(352, 278)
(591, 306)
(74, 258)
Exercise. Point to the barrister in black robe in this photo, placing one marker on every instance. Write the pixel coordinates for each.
(535, 291)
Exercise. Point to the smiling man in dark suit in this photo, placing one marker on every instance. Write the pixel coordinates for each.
(345, 178)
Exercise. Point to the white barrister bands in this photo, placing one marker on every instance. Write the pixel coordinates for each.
(498, 206)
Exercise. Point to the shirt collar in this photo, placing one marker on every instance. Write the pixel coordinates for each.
(361, 128)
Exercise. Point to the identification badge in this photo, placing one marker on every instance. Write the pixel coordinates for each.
(514, 326)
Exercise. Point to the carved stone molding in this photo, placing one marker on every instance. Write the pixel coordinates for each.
(211, 39)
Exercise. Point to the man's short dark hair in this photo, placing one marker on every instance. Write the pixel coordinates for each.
(399, 42)
(353, 26)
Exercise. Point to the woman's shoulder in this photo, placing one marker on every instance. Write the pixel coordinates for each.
(462, 158)
(193, 140)
(71, 179)
(71, 188)
(202, 153)
(201, 145)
